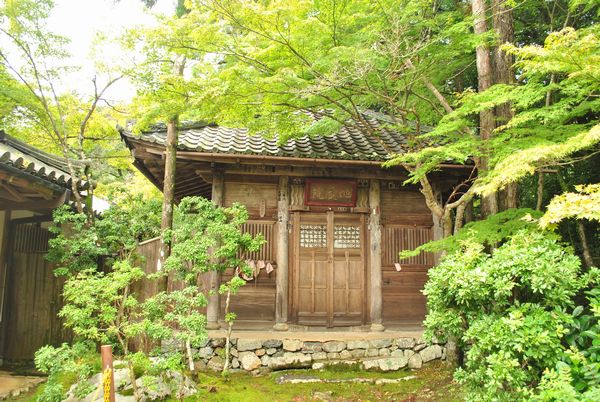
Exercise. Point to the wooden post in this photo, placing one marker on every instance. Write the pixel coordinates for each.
(281, 298)
(375, 256)
(107, 363)
(213, 309)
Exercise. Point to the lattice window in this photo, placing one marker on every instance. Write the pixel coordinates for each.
(346, 237)
(313, 236)
(266, 229)
(399, 238)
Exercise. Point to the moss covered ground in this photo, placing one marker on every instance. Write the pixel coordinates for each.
(432, 383)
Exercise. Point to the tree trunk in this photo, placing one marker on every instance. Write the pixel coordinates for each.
(489, 203)
(166, 223)
(585, 248)
(540, 190)
(503, 25)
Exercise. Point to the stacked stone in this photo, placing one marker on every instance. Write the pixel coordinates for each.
(376, 354)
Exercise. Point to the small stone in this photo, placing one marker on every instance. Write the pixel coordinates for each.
(344, 354)
(415, 362)
(249, 361)
(322, 396)
(319, 356)
(392, 363)
(408, 353)
(271, 351)
(318, 366)
(372, 352)
(216, 363)
(333, 356)
(419, 346)
(205, 352)
(397, 353)
(217, 342)
(380, 343)
(334, 346)
(384, 352)
(199, 365)
(431, 353)
(265, 360)
(290, 360)
(371, 364)
(357, 353)
(235, 363)
(248, 344)
(292, 345)
(272, 343)
(234, 352)
(405, 343)
(260, 352)
(357, 344)
(312, 347)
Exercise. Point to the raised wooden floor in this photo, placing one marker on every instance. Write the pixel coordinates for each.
(264, 330)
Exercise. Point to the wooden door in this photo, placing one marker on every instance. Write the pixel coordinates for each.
(329, 269)
(33, 300)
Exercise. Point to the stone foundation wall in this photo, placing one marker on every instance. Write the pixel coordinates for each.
(375, 354)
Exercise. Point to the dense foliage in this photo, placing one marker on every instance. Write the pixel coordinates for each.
(510, 311)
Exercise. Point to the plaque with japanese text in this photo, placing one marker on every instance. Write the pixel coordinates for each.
(325, 192)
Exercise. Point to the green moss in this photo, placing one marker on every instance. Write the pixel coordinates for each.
(432, 383)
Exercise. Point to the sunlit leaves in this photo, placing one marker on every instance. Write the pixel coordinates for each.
(584, 203)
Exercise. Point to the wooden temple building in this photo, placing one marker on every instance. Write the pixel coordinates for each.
(32, 184)
(333, 218)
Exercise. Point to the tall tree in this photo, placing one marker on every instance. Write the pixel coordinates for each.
(485, 74)
(34, 62)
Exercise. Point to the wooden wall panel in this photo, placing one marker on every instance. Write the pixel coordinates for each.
(34, 295)
(396, 238)
(260, 199)
(402, 289)
(255, 301)
(402, 297)
(267, 230)
(402, 202)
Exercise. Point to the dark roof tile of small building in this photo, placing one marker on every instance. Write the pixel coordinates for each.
(29, 160)
(349, 143)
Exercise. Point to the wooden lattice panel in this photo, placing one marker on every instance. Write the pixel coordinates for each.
(399, 238)
(267, 229)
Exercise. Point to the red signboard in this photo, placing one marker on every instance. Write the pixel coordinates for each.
(329, 192)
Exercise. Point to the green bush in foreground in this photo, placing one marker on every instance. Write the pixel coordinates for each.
(510, 311)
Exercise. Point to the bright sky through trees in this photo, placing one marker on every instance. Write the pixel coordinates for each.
(81, 20)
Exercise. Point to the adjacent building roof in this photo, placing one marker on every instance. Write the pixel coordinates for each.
(18, 156)
(349, 143)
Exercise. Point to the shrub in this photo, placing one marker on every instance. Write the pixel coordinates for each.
(508, 310)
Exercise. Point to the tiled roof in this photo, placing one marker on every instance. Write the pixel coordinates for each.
(29, 160)
(349, 143)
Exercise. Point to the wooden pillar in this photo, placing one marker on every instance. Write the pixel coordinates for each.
(376, 306)
(282, 293)
(213, 309)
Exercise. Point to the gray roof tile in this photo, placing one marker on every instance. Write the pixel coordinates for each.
(349, 143)
(30, 160)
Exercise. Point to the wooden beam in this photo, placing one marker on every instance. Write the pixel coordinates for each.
(376, 303)
(342, 172)
(213, 309)
(277, 160)
(12, 191)
(282, 290)
(34, 205)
